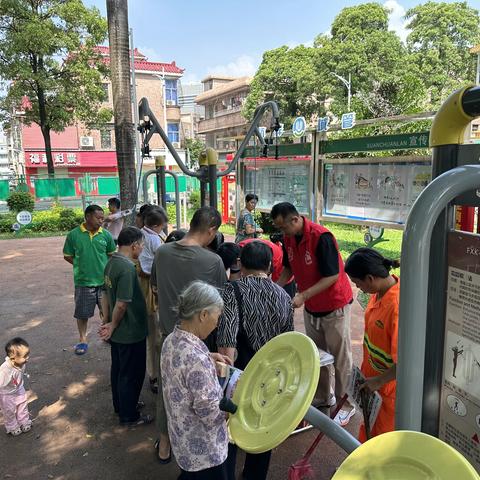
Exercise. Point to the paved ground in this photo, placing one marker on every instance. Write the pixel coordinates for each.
(75, 434)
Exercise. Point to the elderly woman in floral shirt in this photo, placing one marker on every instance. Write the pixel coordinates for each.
(191, 391)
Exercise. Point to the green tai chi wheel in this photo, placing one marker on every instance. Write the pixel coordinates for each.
(275, 392)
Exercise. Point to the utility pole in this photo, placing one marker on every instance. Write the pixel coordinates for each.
(348, 84)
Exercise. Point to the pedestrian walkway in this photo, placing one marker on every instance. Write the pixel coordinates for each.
(75, 434)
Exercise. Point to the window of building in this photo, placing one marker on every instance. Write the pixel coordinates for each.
(172, 131)
(106, 138)
(105, 90)
(171, 91)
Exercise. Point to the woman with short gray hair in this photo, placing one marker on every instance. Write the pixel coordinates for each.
(191, 391)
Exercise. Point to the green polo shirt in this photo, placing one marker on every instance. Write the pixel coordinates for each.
(121, 284)
(90, 253)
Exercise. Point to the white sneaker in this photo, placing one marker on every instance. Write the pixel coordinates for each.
(343, 416)
(332, 401)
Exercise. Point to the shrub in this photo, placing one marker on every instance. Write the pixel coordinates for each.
(172, 213)
(69, 219)
(195, 199)
(6, 222)
(18, 201)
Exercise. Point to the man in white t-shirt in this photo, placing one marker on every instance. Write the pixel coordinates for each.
(114, 222)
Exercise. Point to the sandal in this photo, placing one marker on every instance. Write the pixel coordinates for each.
(16, 432)
(81, 348)
(163, 461)
(26, 428)
(142, 420)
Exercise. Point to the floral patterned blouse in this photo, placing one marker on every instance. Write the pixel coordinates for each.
(191, 392)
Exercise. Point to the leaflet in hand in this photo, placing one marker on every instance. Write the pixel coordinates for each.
(374, 399)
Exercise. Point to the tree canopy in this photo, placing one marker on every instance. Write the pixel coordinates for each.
(440, 37)
(388, 77)
(48, 58)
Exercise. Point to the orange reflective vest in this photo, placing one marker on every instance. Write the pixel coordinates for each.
(380, 353)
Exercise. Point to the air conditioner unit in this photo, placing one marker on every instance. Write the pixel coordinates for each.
(176, 144)
(171, 102)
(86, 141)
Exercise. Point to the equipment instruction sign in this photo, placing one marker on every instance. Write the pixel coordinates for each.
(376, 192)
(460, 398)
(279, 181)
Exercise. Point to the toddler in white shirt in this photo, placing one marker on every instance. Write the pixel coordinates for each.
(13, 398)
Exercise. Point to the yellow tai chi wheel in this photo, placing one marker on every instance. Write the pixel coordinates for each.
(274, 392)
(404, 455)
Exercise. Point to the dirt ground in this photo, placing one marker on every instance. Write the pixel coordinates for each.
(76, 434)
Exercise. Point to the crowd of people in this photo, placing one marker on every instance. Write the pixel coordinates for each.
(172, 306)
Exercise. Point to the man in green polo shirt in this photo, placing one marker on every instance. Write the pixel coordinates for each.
(126, 327)
(87, 247)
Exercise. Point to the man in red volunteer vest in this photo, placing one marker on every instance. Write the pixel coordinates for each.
(312, 255)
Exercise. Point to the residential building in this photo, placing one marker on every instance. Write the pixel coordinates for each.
(190, 111)
(4, 162)
(79, 150)
(223, 99)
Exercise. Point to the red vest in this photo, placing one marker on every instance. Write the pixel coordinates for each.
(304, 264)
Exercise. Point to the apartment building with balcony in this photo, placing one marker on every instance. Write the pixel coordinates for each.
(223, 99)
(79, 150)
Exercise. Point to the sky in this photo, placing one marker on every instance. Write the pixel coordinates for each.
(228, 37)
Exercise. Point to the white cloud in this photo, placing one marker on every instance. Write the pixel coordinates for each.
(244, 65)
(150, 53)
(396, 21)
(189, 78)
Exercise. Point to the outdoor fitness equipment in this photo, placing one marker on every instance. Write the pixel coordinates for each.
(274, 394)
(440, 291)
(207, 173)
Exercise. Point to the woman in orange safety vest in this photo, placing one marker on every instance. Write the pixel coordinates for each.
(370, 272)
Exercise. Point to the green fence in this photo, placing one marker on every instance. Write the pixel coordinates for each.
(54, 187)
(108, 185)
(4, 189)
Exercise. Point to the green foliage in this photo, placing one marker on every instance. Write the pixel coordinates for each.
(288, 76)
(69, 219)
(194, 199)
(439, 42)
(387, 76)
(49, 60)
(383, 76)
(195, 147)
(171, 213)
(6, 222)
(18, 201)
(55, 220)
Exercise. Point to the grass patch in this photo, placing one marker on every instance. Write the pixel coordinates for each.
(29, 234)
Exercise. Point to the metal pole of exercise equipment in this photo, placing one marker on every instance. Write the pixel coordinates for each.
(177, 192)
(203, 162)
(161, 184)
(212, 160)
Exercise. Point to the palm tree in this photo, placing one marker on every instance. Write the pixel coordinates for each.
(117, 15)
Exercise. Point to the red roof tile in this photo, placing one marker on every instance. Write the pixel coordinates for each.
(141, 62)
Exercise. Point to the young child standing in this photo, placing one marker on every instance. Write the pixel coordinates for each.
(155, 220)
(13, 398)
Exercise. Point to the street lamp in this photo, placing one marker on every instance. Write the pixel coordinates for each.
(348, 84)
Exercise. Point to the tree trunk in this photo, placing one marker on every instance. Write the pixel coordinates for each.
(45, 131)
(117, 15)
(48, 151)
